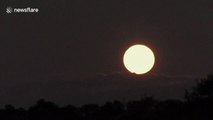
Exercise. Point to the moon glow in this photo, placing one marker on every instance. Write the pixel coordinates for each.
(139, 59)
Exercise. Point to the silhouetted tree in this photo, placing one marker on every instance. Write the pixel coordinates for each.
(70, 113)
(90, 112)
(44, 110)
(169, 110)
(199, 104)
(203, 89)
(112, 110)
(10, 113)
(142, 109)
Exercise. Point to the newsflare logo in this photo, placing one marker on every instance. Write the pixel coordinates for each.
(21, 10)
(9, 10)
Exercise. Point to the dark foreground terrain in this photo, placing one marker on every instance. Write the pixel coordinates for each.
(197, 105)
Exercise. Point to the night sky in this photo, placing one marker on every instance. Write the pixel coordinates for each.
(70, 52)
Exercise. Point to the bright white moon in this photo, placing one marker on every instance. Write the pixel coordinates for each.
(139, 59)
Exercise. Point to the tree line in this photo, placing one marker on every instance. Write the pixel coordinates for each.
(197, 105)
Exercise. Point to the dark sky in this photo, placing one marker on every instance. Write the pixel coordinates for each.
(71, 51)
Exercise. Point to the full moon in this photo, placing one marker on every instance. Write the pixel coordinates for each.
(139, 59)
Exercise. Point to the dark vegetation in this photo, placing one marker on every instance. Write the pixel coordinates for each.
(197, 105)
